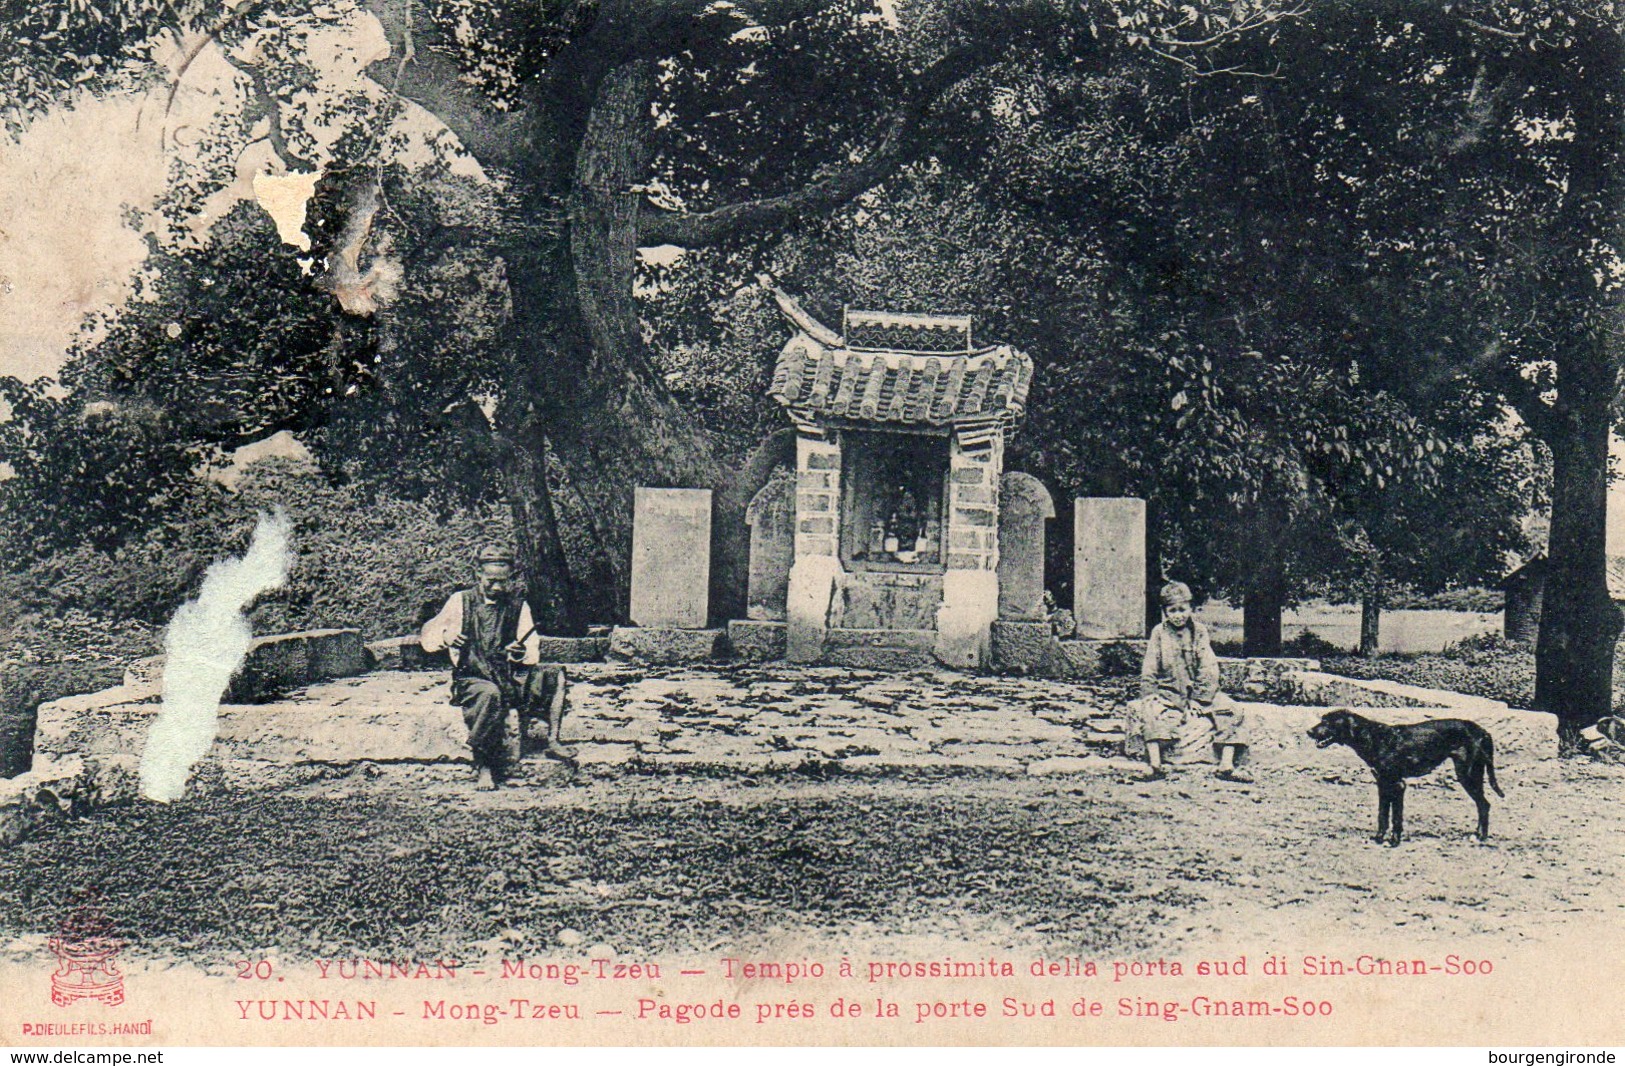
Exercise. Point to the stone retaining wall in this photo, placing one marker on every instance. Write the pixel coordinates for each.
(1280, 734)
(1312, 688)
(279, 664)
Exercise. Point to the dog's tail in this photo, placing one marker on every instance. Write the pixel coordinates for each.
(1489, 764)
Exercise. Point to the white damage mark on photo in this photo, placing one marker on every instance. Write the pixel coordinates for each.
(207, 640)
(284, 197)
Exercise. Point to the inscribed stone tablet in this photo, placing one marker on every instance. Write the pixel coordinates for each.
(671, 557)
(1109, 568)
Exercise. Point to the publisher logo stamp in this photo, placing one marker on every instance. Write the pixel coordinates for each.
(86, 953)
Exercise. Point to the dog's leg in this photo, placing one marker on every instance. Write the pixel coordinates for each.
(1470, 772)
(1399, 813)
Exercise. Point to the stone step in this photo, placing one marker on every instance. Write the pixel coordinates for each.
(881, 649)
(894, 660)
(665, 645)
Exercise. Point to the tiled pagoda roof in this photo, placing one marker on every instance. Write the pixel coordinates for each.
(823, 376)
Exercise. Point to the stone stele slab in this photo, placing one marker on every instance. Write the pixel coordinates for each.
(1109, 567)
(671, 557)
(1024, 507)
(772, 521)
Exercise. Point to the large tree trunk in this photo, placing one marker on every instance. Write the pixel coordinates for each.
(1264, 600)
(1373, 598)
(1579, 623)
(622, 428)
(1370, 623)
(1153, 564)
(1261, 610)
(581, 370)
(578, 349)
(553, 597)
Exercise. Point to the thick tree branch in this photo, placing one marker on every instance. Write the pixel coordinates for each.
(431, 80)
(209, 36)
(897, 144)
(230, 438)
(272, 111)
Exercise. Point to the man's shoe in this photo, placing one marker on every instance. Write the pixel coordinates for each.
(557, 750)
(1238, 775)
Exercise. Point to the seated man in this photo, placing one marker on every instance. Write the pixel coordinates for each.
(1179, 688)
(494, 649)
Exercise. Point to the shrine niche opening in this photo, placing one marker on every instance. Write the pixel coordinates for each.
(893, 496)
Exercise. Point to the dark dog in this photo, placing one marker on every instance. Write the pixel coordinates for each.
(1395, 752)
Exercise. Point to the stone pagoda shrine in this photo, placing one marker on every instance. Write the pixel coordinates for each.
(893, 509)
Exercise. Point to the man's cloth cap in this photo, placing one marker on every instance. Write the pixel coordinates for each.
(1175, 592)
(494, 554)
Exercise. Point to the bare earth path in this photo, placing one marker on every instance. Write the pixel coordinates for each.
(1089, 864)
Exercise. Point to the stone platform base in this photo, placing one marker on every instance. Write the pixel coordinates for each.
(652, 644)
(698, 719)
(881, 649)
(1023, 647)
(1095, 658)
(382, 717)
(756, 642)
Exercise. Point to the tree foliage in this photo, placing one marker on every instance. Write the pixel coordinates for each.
(1281, 264)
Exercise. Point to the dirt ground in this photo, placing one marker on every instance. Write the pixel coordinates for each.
(1098, 864)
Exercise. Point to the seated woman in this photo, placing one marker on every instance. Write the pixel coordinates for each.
(1179, 690)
